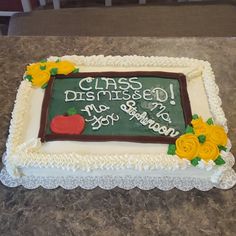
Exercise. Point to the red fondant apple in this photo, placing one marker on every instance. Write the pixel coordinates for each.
(68, 124)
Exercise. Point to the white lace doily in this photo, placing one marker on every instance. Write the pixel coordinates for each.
(228, 180)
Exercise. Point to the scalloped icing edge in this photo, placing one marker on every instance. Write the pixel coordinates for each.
(127, 182)
(28, 154)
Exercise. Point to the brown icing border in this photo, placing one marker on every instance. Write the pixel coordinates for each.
(100, 138)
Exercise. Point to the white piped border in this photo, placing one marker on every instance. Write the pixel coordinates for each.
(29, 155)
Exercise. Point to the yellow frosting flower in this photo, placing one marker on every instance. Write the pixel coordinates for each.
(41, 71)
(217, 135)
(199, 126)
(187, 146)
(40, 77)
(50, 65)
(33, 68)
(65, 67)
(208, 151)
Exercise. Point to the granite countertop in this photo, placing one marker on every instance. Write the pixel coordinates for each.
(117, 211)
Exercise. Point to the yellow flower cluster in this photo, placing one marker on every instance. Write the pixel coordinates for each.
(188, 145)
(40, 72)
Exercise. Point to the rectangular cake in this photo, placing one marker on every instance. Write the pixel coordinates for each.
(118, 121)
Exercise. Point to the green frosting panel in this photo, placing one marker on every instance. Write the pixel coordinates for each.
(132, 106)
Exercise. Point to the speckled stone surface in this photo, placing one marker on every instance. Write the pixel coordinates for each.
(116, 212)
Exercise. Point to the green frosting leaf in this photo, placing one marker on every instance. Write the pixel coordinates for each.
(28, 77)
(189, 130)
(210, 121)
(195, 161)
(201, 138)
(43, 67)
(222, 148)
(219, 161)
(195, 116)
(43, 60)
(53, 71)
(58, 60)
(75, 70)
(44, 86)
(71, 111)
(171, 149)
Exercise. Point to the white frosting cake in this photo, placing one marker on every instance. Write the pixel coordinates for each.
(26, 155)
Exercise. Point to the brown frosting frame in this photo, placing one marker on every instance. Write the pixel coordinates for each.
(185, 103)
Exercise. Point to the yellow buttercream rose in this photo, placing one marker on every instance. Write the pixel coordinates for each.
(40, 78)
(217, 135)
(187, 146)
(33, 68)
(208, 151)
(200, 127)
(40, 71)
(65, 67)
(50, 65)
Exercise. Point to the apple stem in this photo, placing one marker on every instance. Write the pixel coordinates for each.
(71, 111)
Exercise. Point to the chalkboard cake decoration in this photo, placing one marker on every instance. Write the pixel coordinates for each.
(118, 106)
(119, 121)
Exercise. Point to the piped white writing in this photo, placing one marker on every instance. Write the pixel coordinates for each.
(172, 95)
(104, 120)
(97, 89)
(92, 107)
(131, 109)
(99, 119)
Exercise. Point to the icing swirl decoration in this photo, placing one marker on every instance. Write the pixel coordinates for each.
(217, 135)
(208, 151)
(40, 78)
(65, 67)
(200, 127)
(202, 141)
(39, 73)
(187, 146)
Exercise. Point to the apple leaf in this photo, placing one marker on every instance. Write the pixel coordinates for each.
(189, 130)
(222, 148)
(195, 161)
(53, 71)
(43, 60)
(201, 138)
(210, 121)
(219, 161)
(28, 77)
(75, 70)
(42, 67)
(71, 111)
(44, 86)
(171, 149)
